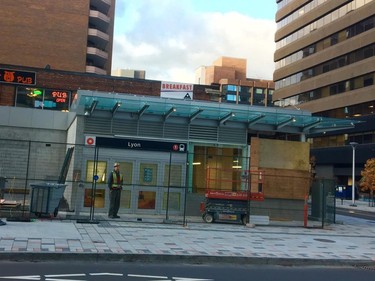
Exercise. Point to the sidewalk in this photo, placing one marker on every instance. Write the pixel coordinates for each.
(351, 242)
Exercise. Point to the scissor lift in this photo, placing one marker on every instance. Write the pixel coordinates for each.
(227, 205)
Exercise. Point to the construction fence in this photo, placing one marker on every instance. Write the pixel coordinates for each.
(69, 181)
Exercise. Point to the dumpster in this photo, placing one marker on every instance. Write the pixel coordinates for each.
(45, 198)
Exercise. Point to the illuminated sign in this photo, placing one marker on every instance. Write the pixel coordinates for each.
(58, 96)
(11, 76)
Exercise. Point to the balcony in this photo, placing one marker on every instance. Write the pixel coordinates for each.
(102, 5)
(97, 56)
(95, 70)
(99, 38)
(99, 20)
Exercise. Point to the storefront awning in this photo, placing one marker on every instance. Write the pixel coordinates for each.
(252, 117)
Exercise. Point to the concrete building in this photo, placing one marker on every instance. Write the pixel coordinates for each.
(325, 63)
(130, 73)
(65, 35)
(235, 87)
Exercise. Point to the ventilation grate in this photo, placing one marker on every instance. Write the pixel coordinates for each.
(94, 125)
(203, 133)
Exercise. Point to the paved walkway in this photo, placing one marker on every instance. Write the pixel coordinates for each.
(351, 241)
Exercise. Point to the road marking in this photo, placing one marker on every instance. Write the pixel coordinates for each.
(147, 276)
(65, 275)
(53, 277)
(26, 277)
(58, 279)
(106, 274)
(190, 279)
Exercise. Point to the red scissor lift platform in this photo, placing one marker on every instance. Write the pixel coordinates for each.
(231, 206)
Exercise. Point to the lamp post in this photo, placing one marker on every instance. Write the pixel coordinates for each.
(353, 144)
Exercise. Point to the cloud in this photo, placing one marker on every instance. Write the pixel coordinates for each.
(169, 40)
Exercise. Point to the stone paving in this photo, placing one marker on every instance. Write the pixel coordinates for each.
(351, 240)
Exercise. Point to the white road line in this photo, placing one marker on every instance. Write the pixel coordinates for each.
(190, 279)
(147, 276)
(106, 274)
(58, 279)
(65, 275)
(26, 277)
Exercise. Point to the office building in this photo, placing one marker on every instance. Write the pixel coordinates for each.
(235, 87)
(64, 35)
(325, 64)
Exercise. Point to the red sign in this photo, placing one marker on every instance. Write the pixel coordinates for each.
(17, 77)
(90, 140)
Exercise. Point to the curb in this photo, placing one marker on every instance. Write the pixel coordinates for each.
(100, 257)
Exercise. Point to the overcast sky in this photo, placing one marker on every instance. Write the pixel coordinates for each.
(170, 39)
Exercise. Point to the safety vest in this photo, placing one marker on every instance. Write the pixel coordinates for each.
(115, 180)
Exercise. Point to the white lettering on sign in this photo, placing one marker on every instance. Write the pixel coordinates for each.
(134, 144)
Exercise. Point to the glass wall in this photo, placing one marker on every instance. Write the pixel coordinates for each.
(224, 159)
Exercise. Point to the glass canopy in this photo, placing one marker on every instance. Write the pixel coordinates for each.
(252, 117)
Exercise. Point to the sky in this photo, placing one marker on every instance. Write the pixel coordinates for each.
(170, 39)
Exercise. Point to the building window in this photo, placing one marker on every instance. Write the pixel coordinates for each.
(368, 80)
(333, 89)
(353, 57)
(338, 37)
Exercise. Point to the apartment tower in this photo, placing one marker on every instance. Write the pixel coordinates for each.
(71, 35)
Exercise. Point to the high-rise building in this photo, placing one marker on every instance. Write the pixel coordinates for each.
(72, 35)
(325, 63)
(235, 87)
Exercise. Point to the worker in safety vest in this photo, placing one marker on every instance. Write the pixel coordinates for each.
(115, 182)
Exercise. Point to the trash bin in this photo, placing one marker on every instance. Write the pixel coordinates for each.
(45, 198)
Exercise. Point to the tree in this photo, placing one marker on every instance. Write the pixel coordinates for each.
(368, 177)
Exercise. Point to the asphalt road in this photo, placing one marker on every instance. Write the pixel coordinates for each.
(108, 271)
(356, 213)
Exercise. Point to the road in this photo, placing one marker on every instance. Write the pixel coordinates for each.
(356, 213)
(138, 271)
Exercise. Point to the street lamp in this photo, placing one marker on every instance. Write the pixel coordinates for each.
(353, 144)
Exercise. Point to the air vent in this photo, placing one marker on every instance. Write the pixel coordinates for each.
(232, 135)
(97, 125)
(203, 133)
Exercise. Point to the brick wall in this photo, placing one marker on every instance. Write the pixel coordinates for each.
(72, 81)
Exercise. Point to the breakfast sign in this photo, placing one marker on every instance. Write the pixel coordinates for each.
(12, 76)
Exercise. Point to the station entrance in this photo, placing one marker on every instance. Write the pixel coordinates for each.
(154, 176)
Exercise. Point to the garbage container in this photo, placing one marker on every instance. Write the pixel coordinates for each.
(45, 198)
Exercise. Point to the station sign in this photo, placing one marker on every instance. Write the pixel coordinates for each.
(17, 77)
(136, 144)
